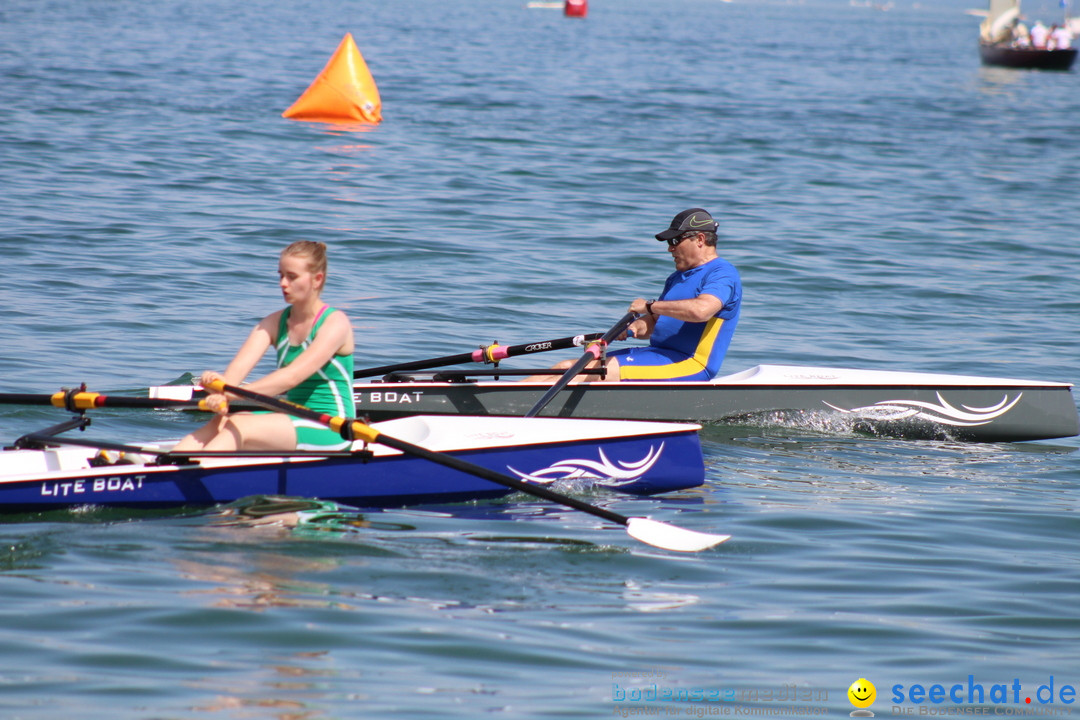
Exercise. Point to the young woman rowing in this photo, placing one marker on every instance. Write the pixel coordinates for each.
(314, 344)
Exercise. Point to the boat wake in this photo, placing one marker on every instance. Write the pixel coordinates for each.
(837, 421)
(907, 419)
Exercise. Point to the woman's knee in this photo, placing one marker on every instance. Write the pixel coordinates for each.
(262, 432)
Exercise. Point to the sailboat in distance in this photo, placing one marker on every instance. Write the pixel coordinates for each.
(1005, 41)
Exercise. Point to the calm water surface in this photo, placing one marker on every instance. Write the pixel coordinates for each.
(890, 203)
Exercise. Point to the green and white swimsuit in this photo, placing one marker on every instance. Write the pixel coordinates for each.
(329, 390)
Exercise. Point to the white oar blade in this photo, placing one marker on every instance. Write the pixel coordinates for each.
(669, 537)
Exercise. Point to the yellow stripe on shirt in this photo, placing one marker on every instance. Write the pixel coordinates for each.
(683, 368)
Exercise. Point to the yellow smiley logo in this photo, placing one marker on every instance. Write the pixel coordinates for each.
(862, 693)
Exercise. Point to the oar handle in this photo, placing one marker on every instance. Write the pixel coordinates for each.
(592, 352)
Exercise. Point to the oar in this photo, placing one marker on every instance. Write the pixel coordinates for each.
(489, 354)
(592, 352)
(648, 531)
(81, 399)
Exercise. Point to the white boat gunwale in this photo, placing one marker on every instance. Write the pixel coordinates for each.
(766, 376)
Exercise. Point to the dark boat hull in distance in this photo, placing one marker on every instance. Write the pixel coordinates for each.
(1007, 56)
(898, 404)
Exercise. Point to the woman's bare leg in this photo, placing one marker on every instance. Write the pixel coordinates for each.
(242, 431)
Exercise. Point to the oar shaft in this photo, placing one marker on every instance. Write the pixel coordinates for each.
(25, 399)
(593, 352)
(489, 354)
(84, 400)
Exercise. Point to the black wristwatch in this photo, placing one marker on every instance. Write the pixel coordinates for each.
(648, 307)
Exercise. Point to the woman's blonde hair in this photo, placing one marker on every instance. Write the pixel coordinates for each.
(314, 251)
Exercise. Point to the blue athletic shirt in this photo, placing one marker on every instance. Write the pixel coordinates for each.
(708, 341)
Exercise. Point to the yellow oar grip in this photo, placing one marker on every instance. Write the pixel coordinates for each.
(364, 432)
(79, 400)
(205, 406)
(217, 386)
(360, 431)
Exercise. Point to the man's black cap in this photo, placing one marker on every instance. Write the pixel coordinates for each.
(687, 221)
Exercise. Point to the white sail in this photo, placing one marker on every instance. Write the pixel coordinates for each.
(998, 23)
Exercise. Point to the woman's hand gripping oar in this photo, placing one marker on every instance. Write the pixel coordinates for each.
(652, 532)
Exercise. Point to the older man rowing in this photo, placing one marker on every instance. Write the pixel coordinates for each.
(690, 325)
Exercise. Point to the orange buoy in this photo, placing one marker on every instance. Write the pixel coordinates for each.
(344, 90)
(576, 8)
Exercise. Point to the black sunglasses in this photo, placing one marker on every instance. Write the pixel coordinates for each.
(672, 242)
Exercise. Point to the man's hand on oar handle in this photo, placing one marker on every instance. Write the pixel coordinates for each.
(642, 326)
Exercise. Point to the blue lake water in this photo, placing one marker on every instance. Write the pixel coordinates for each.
(890, 204)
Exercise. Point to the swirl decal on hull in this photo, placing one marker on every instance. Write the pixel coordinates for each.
(943, 413)
(614, 474)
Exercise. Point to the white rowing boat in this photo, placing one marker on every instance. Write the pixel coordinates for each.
(48, 470)
(903, 404)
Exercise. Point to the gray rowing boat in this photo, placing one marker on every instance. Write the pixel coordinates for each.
(897, 404)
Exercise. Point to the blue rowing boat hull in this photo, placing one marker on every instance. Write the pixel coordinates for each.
(635, 464)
